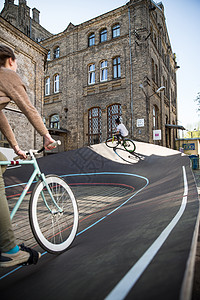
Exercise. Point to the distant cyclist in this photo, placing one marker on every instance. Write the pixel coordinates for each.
(12, 89)
(121, 129)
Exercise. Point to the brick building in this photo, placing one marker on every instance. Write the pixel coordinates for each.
(31, 58)
(19, 17)
(111, 66)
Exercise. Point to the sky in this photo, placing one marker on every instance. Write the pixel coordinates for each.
(183, 23)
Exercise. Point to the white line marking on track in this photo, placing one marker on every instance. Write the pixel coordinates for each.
(124, 286)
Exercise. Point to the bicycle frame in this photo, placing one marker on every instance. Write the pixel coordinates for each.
(35, 175)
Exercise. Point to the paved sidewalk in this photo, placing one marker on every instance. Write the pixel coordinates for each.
(196, 286)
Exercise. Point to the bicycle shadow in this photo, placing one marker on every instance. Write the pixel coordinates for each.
(131, 158)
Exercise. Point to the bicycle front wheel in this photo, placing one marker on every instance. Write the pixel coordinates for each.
(54, 222)
(112, 142)
(129, 145)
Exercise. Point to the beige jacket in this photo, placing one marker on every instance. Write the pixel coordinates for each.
(12, 88)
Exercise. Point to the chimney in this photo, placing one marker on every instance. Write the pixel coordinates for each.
(36, 15)
(7, 2)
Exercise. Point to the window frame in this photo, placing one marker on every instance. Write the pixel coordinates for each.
(56, 52)
(93, 136)
(113, 111)
(103, 70)
(49, 55)
(91, 74)
(47, 86)
(91, 39)
(103, 35)
(56, 83)
(116, 67)
(116, 29)
(54, 122)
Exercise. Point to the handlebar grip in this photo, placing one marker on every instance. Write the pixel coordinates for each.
(56, 143)
(16, 157)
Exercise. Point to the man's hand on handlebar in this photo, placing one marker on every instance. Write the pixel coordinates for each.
(48, 141)
(19, 152)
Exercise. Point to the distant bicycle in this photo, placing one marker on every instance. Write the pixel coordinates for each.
(53, 211)
(115, 141)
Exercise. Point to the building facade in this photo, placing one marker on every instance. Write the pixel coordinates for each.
(111, 66)
(95, 72)
(31, 59)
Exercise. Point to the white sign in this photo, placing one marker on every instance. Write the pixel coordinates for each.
(157, 135)
(140, 122)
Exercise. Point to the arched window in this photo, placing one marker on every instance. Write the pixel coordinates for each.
(56, 52)
(113, 111)
(94, 126)
(116, 67)
(103, 70)
(103, 35)
(91, 39)
(54, 121)
(115, 31)
(47, 86)
(91, 74)
(56, 83)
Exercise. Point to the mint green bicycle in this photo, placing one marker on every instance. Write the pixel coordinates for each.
(53, 211)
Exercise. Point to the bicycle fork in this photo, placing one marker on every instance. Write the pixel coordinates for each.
(45, 184)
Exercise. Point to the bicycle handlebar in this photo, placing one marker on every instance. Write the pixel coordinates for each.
(54, 144)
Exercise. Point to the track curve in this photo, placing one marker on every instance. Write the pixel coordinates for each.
(126, 203)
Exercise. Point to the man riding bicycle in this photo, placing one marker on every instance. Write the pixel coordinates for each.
(121, 129)
(12, 88)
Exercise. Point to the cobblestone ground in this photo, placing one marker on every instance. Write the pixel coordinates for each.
(196, 286)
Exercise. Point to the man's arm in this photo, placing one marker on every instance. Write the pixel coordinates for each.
(7, 130)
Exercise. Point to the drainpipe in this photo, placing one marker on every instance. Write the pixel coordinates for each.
(30, 28)
(129, 20)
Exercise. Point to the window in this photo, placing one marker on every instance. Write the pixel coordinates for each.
(91, 75)
(49, 55)
(91, 40)
(103, 35)
(113, 112)
(56, 83)
(116, 67)
(153, 69)
(47, 86)
(94, 126)
(155, 117)
(103, 70)
(56, 53)
(156, 74)
(54, 121)
(116, 31)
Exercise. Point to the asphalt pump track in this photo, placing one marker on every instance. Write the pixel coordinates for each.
(138, 226)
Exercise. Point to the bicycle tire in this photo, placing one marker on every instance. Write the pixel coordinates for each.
(129, 145)
(53, 230)
(112, 142)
